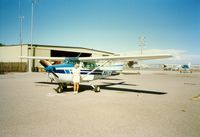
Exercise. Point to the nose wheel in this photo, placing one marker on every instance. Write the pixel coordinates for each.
(61, 87)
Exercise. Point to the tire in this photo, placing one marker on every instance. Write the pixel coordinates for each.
(64, 86)
(97, 89)
(60, 89)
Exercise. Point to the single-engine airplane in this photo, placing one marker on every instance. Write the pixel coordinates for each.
(62, 73)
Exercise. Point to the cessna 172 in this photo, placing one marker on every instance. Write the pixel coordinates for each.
(62, 73)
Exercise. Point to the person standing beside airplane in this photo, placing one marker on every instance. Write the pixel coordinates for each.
(76, 78)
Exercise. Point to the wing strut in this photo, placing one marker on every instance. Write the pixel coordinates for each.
(96, 88)
(107, 61)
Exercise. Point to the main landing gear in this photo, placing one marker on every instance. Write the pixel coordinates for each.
(96, 88)
(62, 86)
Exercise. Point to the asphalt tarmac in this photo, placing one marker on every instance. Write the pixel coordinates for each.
(153, 104)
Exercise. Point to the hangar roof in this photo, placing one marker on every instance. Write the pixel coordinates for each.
(62, 46)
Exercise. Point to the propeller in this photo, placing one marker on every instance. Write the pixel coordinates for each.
(48, 67)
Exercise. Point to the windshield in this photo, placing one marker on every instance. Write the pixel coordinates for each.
(71, 60)
(185, 66)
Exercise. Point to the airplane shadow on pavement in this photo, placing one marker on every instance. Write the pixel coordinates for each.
(107, 86)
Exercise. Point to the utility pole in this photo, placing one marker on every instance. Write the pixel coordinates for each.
(20, 31)
(31, 50)
(20, 37)
(141, 44)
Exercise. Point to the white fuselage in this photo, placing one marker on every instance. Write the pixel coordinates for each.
(65, 74)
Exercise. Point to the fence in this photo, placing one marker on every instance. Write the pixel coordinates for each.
(12, 67)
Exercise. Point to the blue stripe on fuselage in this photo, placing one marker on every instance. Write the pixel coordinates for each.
(69, 68)
(61, 71)
(53, 67)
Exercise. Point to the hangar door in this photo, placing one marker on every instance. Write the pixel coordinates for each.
(57, 53)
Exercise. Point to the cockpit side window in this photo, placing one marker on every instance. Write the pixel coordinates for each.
(89, 65)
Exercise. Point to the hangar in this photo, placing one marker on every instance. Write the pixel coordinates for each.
(10, 53)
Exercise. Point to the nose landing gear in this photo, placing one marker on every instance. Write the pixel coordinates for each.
(96, 88)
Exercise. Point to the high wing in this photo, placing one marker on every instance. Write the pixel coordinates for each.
(103, 58)
(41, 58)
(125, 58)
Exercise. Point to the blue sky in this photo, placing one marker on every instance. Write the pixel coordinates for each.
(111, 25)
